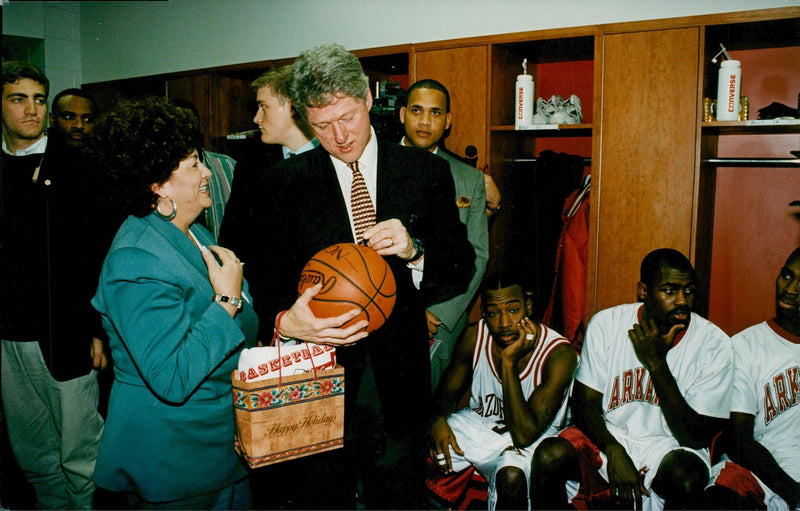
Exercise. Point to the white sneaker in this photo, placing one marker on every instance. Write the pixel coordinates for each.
(568, 112)
(543, 111)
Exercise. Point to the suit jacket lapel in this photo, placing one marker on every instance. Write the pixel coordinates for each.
(184, 248)
(330, 189)
(383, 184)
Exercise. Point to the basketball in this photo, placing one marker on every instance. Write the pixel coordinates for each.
(352, 276)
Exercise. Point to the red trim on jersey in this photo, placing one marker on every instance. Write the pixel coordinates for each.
(541, 360)
(480, 342)
(680, 334)
(535, 362)
(487, 342)
(539, 357)
(490, 356)
(773, 324)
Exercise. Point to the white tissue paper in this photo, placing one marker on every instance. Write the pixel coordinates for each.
(262, 363)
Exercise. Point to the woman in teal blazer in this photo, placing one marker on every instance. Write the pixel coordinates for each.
(177, 314)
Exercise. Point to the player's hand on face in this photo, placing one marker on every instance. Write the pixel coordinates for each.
(529, 332)
(649, 345)
(390, 237)
(442, 440)
(299, 322)
(625, 481)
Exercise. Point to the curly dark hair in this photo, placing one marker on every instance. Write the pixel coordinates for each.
(139, 144)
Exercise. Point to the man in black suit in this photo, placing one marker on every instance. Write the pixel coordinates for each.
(282, 133)
(417, 230)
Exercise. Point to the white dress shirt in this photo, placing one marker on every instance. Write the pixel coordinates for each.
(37, 147)
(368, 166)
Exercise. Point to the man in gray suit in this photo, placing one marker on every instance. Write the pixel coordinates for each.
(426, 117)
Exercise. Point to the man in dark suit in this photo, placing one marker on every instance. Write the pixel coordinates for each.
(49, 259)
(282, 133)
(417, 230)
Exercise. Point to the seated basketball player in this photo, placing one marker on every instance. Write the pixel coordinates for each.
(520, 372)
(653, 388)
(764, 411)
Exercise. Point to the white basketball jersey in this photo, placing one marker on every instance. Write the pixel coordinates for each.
(487, 387)
(767, 386)
(701, 363)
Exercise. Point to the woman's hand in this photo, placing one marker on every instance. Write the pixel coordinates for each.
(225, 274)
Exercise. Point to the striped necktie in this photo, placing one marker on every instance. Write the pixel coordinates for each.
(361, 204)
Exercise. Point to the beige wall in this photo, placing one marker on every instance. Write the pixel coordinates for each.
(127, 39)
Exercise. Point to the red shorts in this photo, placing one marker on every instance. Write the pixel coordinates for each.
(593, 488)
(742, 482)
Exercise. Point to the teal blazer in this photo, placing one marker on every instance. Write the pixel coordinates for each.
(169, 433)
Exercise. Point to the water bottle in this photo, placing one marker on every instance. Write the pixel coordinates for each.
(728, 90)
(524, 98)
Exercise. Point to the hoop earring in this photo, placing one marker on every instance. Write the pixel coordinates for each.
(169, 216)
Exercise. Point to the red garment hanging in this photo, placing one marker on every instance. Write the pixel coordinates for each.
(569, 283)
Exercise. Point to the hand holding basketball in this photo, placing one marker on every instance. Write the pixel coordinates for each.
(351, 276)
(299, 322)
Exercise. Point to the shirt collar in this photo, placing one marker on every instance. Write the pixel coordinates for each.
(368, 166)
(782, 332)
(311, 144)
(367, 162)
(37, 147)
(403, 142)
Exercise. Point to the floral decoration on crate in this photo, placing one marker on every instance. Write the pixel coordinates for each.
(291, 393)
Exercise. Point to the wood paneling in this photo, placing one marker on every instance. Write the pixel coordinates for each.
(755, 229)
(643, 189)
(649, 188)
(195, 89)
(463, 72)
(233, 108)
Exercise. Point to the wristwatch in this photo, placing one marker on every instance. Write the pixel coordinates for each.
(236, 302)
(419, 248)
(495, 209)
